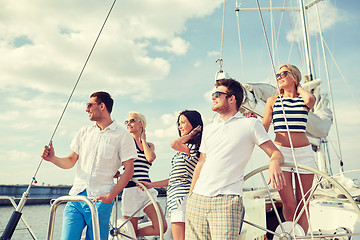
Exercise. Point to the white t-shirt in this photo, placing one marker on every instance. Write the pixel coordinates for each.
(228, 146)
(101, 154)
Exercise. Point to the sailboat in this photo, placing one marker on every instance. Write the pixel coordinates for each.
(334, 202)
(334, 205)
(334, 210)
(333, 196)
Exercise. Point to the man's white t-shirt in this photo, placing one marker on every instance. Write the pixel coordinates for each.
(228, 146)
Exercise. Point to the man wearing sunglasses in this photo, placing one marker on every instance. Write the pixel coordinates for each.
(214, 207)
(99, 150)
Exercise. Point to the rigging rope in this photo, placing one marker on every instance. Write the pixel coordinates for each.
(14, 219)
(343, 77)
(292, 30)
(330, 89)
(220, 60)
(73, 90)
(286, 124)
(77, 81)
(239, 36)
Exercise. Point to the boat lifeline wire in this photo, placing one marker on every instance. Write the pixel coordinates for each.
(286, 124)
(15, 217)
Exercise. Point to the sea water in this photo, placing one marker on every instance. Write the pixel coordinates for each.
(37, 216)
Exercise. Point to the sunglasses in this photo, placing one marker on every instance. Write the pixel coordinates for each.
(217, 94)
(282, 75)
(129, 121)
(89, 105)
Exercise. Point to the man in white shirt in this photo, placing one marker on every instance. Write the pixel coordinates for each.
(99, 150)
(213, 210)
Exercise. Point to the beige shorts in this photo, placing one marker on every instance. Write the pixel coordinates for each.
(303, 155)
(216, 218)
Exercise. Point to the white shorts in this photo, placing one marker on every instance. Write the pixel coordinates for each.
(303, 155)
(134, 198)
(178, 215)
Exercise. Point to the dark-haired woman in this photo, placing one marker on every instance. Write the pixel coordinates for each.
(183, 164)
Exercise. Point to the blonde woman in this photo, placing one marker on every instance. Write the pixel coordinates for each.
(133, 197)
(297, 103)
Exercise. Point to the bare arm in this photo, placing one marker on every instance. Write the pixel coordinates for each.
(309, 98)
(197, 170)
(162, 183)
(179, 143)
(121, 184)
(268, 112)
(276, 176)
(48, 154)
(149, 151)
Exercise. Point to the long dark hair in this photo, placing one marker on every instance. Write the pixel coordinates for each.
(194, 118)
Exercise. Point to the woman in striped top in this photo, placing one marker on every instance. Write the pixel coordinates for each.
(182, 167)
(134, 198)
(296, 102)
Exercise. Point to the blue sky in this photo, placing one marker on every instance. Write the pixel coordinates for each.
(154, 57)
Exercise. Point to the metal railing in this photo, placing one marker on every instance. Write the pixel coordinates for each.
(27, 226)
(94, 214)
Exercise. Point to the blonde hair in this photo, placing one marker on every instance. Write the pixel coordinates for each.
(294, 71)
(141, 118)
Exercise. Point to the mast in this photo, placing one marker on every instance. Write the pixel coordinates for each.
(306, 41)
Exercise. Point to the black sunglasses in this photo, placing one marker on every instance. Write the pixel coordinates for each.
(282, 75)
(217, 94)
(129, 121)
(89, 105)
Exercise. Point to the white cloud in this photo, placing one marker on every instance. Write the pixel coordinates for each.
(167, 128)
(328, 17)
(165, 133)
(14, 155)
(169, 119)
(177, 46)
(197, 64)
(53, 41)
(9, 116)
(213, 54)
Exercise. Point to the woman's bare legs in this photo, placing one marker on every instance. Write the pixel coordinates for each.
(154, 229)
(291, 201)
(178, 230)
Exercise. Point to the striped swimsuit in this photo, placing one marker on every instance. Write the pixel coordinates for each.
(180, 176)
(296, 115)
(295, 111)
(141, 168)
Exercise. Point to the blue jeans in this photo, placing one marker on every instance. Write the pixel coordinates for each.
(77, 215)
